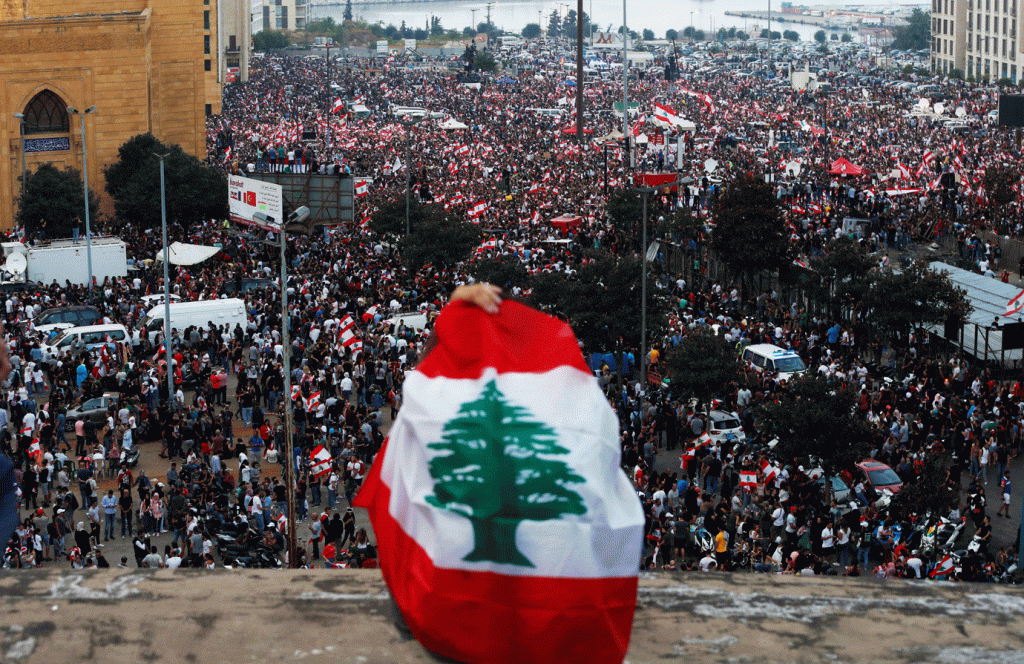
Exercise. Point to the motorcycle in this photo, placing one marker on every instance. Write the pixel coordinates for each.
(130, 456)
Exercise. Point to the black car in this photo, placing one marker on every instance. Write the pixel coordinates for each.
(248, 284)
(64, 317)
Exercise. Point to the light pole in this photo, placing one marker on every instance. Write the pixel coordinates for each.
(85, 183)
(472, 13)
(299, 216)
(691, 27)
(643, 282)
(408, 124)
(21, 121)
(167, 288)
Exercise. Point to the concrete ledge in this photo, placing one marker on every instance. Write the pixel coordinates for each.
(345, 616)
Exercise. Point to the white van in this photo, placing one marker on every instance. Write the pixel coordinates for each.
(200, 314)
(769, 358)
(76, 339)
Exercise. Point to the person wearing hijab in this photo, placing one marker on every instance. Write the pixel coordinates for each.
(82, 539)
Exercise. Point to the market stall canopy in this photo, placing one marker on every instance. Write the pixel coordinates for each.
(572, 130)
(188, 254)
(615, 135)
(452, 123)
(842, 166)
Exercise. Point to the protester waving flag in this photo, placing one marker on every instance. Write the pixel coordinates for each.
(320, 461)
(507, 530)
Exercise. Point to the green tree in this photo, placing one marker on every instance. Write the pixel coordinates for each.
(389, 218)
(503, 271)
(820, 37)
(441, 240)
(916, 34)
(347, 14)
(816, 417)
(495, 468)
(791, 35)
(915, 296)
(671, 35)
(701, 365)
(554, 24)
(648, 34)
(844, 275)
(846, 38)
(268, 40)
(999, 184)
(601, 301)
(742, 36)
(484, 61)
(930, 492)
(195, 193)
(958, 74)
(531, 31)
(56, 197)
(750, 234)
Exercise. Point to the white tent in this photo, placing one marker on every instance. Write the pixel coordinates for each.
(188, 254)
(452, 123)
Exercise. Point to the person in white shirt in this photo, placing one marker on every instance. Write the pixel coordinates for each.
(828, 542)
(708, 564)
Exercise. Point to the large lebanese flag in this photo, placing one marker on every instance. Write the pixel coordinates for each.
(507, 531)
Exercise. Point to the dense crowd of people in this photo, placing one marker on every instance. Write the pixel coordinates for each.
(525, 169)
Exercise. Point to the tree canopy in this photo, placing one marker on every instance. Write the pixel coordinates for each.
(601, 302)
(750, 234)
(441, 240)
(816, 418)
(56, 197)
(844, 275)
(701, 365)
(914, 296)
(503, 271)
(916, 35)
(194, 192)
(266, 40)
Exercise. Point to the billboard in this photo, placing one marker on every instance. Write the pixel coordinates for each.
(246, 196)
(382, 48)
(607, 40)
(410, 44)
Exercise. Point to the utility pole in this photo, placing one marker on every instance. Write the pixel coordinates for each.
(579, 71)
(168, 342)
(488, 25)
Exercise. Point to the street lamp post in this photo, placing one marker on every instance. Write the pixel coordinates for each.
(299, 216)
(408, 124)
(472, 13)
(643, 282)
(85, 180)
(167, 288)
(21, 122)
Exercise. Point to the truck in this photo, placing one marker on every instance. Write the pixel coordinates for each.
(64, 261)
(229, 312)
(510, 41)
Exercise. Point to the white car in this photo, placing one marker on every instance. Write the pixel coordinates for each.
(723, 427)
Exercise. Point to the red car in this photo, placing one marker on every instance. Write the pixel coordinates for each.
(880, 476)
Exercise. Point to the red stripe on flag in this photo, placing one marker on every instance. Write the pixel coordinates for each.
(537, 342)
(493, 618)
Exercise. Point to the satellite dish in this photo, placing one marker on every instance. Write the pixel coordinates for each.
(960, 112)
(793, 168)
(710, 165)
(939, 108)
(923, 104)
(864, 93)
(16, 264)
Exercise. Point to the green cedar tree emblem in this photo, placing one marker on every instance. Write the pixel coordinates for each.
(495, 469)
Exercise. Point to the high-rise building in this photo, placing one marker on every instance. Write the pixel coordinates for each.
(146, 65)
(285, 14)
(977, 37)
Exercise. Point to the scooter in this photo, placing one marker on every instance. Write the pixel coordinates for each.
(130, 456)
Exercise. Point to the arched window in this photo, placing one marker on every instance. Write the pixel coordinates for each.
(47, 113)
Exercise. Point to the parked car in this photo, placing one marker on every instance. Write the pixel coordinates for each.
(63, 318)
(723, 427)
(94, 410)
(879, 476)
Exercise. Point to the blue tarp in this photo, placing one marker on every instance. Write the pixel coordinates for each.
(597, 359)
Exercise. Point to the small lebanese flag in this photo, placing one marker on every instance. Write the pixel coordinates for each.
(944, 568)
(35, 451)
(337, 105)
(462, 150)
(313, 402)
(748, 479)
(504, 450)
(769, 471)
(346, 323)
(362, 188)
(703, 439)
(320, 461)
(477, 210)
(1015, 305)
